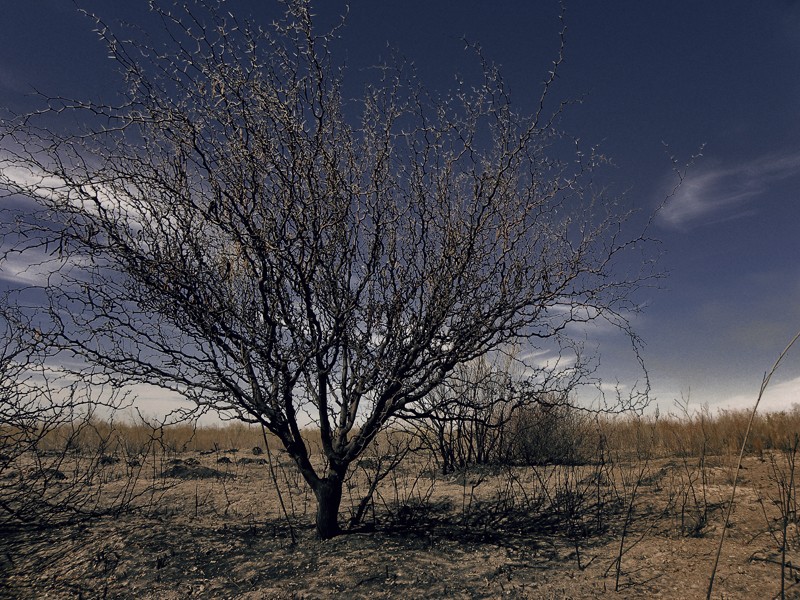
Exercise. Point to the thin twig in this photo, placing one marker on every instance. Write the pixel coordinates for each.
(274, 478)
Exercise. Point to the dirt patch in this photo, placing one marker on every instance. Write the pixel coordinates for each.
(212, 535)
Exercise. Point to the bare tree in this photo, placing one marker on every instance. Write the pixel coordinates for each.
(234, 230)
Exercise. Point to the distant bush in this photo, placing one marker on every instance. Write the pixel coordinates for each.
(543, 434)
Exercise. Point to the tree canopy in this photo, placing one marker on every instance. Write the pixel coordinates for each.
(236, 230)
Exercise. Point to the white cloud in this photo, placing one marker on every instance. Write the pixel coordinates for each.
(547, 360)
(35, 267)
(722, 192)
(82, 194)
(778, 396)
(36, 182)
(23, 269)
(588, 322)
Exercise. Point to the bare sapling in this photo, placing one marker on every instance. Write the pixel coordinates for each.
(632, 477)
(693, 503)
(273, 475)
(376, 467)
(783, 465)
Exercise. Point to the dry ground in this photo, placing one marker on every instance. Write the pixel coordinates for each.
(215, 530)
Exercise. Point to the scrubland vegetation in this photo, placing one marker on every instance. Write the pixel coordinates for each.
(557, 488)
(536, 435)
(411, 272)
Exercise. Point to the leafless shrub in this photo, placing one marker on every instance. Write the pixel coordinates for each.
(784, 529)
(552, 433)
(631, 496)
(61, 456)
(468, 416)
(496, 414)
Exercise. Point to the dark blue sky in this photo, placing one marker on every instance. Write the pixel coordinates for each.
(722, 75)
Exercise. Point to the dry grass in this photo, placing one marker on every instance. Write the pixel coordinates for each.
(719, 434)
(215, 529)
(701, 433)
(638, 519)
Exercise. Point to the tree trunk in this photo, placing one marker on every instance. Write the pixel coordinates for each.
(329, 496)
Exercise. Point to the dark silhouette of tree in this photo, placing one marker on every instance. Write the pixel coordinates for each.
(235, 230)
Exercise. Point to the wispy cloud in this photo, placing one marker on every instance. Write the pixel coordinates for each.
(547, 360)
(778, 396)
(36, 267)
(23, 180)
(722, 192)
(21, 269)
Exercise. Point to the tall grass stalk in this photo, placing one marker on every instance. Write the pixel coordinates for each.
(764, 384)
